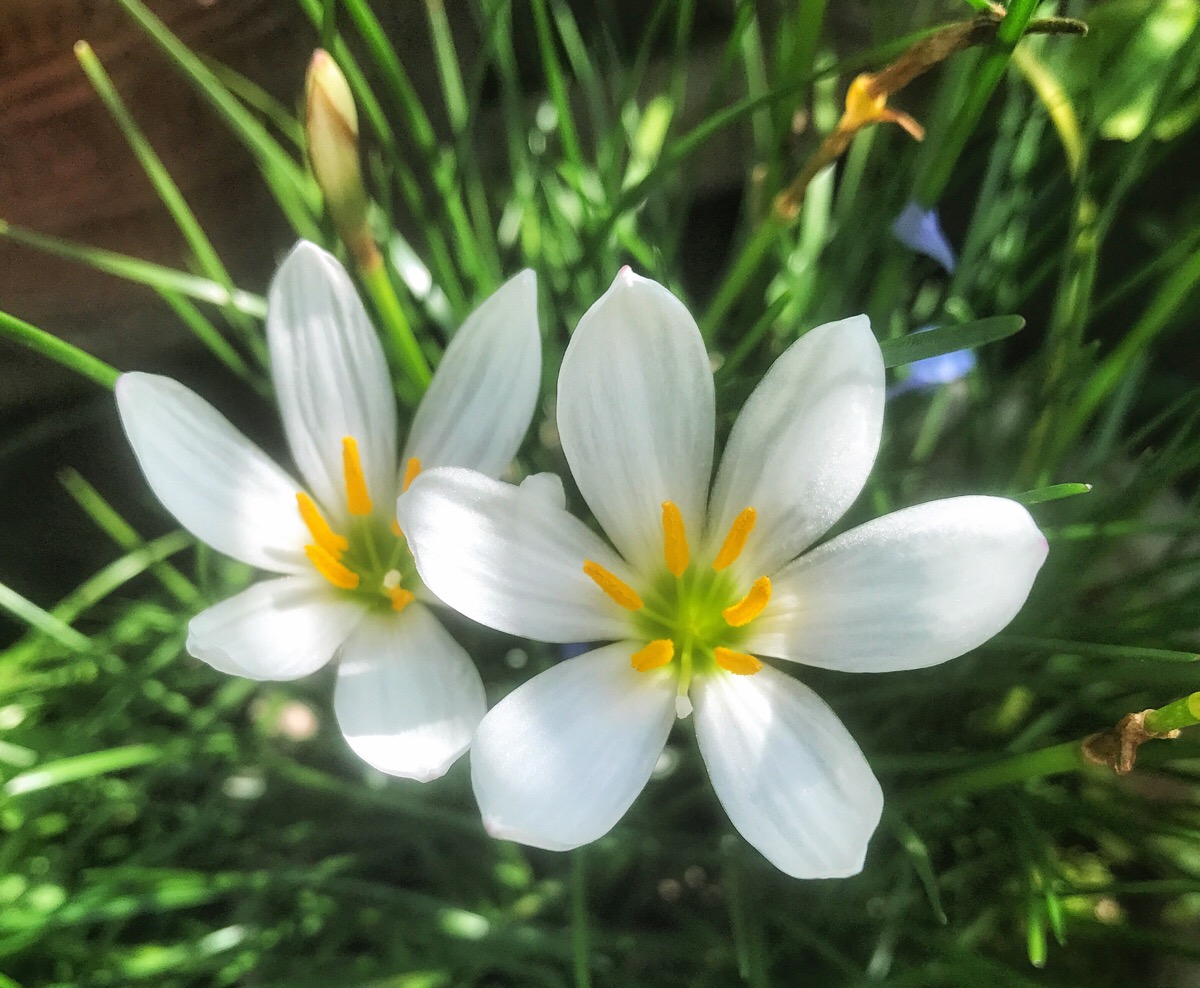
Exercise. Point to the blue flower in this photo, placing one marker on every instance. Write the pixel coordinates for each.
(920, 230)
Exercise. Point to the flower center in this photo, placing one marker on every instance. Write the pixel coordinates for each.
(691, 613)
(371, 559)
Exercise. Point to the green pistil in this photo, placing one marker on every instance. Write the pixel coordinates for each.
(687, 611)
(374, 552)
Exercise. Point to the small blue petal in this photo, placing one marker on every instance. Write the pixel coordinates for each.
(921, 230)
(945, 368)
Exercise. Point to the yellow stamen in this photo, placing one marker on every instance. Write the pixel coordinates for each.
(411, 469)
(396, 530)
(400, 598)
(739, 663)
(357, 498)
(675, 545)
(614, 586)
(329, 567)
(658, 653)
(735, 541)
(318, 527)
(750, 606)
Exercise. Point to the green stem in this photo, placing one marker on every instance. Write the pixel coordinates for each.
(1065, 757)
(744, 269)
(58, 350)
(991, 70)
(387, 304)
(1184, 712)
(579, 919)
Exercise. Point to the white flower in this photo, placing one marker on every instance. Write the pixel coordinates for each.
(699, 583)
(408, 698)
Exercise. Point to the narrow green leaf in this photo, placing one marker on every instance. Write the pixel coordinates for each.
(1101, 650)
(287, 179)
(60, 351)
(143, 272)
(79, 767)
(41, 620)
(947, 339)
(197, 240)
(1055, 492)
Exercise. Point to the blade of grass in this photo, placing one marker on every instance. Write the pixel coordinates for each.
(124, 535)
(990, 70)
(134, 269)
(77, 768)
(557, 85)
(168, 192)
(27, 612)
(294, 193)
(947, 339)
(60, 351)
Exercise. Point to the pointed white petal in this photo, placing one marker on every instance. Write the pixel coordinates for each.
(278, 629)
(330, 377)
(905, 591)
(635, 413)
(803, 445)
(506, 557)
(481, 400)
(219, 485)
(788, 773)
(557, 762)
(408, 697)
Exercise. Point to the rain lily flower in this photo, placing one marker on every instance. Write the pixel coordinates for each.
(408, 697)
(698, 584)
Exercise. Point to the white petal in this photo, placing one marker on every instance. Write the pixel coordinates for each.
(788, 773)
(219, 485)
(635, 414)
(557, 762)
(330, 376)
(277, 629)
(905, 591)
(508, 558)
(803, 445)
(481, 400)
(408, 697)
(548, 486)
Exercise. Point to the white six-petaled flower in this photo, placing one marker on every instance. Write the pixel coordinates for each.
(701, 582)
(408, 698)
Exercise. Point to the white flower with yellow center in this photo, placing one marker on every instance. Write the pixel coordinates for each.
(700, 583)
(408, 698)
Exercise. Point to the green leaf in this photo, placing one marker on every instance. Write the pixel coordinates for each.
(947, 339)
(80, 767)
(1055, 492)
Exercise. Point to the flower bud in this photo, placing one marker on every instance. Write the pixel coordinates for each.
(331, 129)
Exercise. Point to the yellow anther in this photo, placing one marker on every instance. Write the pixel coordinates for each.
(675, 545)
(318, 527)
(400, 598)
(357, 499)
(750, 606)
(739, 663)
(396, 529)
(614, 586)
(658, 653)
(411, 469)
(735, 541)
(329, 567)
